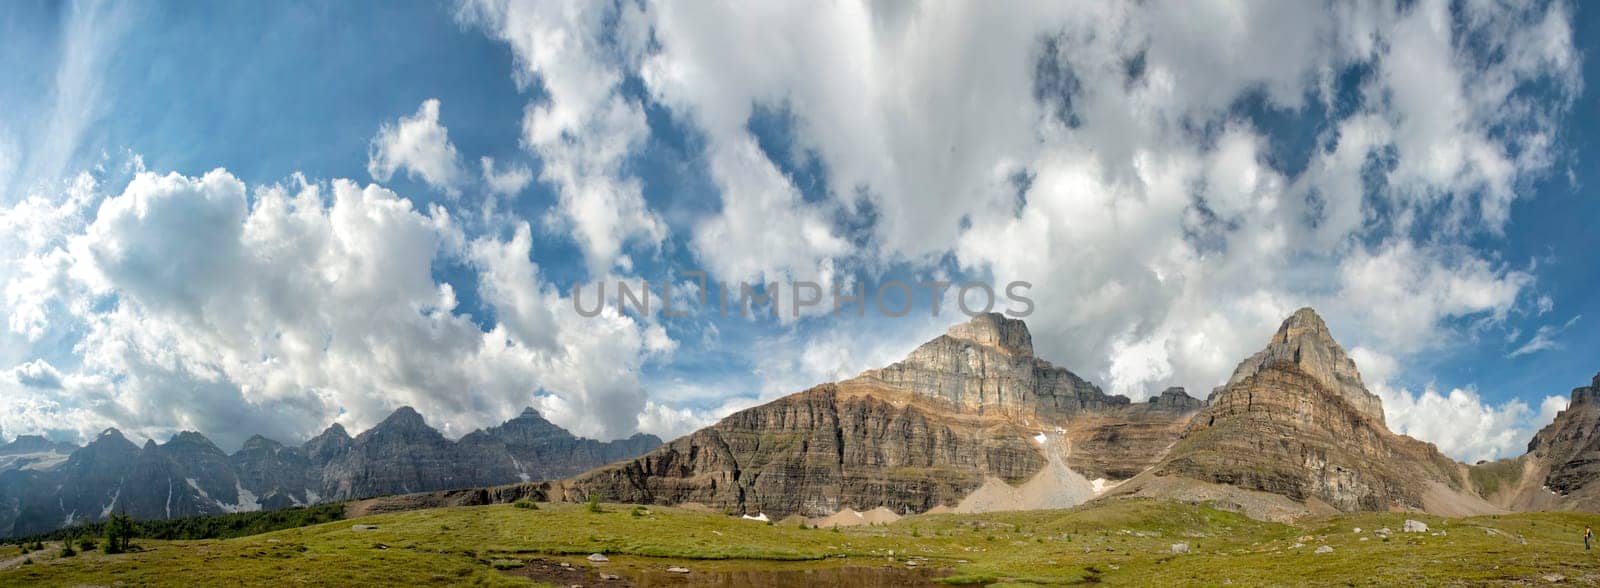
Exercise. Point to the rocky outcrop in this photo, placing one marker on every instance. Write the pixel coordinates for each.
(189, 475)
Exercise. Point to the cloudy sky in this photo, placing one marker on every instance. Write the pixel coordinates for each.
(241, 218)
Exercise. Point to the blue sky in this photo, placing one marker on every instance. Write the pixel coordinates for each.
(1418, 173)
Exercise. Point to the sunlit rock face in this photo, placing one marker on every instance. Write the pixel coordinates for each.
(1304, 340)
(986, 366)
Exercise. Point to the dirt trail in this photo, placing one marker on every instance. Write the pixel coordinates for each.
(50, 551)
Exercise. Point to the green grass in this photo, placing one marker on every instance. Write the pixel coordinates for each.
(1123, 542)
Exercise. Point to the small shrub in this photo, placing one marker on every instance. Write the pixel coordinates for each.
(594, 503)
(87, 544)
(66, 550)
(915, 532)
(525, 504)
(638, 511)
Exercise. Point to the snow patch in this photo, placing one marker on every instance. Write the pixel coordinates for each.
(1101, 485)
(760, 517)
(312, 496)
(1041, 438)
(115, 494)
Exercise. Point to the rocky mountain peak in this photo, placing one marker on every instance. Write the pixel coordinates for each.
(259, 442)
(1305, 341)
(191, 441)
(112, 439)
(530, 413)
(994, 330)
(404, 416)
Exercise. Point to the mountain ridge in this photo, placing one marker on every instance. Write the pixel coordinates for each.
(189, 475)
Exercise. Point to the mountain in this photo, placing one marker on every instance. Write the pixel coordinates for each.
(971, 409)
(45, 486)
(1295, 422)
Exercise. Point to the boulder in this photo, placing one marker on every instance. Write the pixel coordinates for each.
(1324, 549)
(1415, 526)
(1180, 548)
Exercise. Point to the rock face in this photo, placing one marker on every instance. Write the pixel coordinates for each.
(189, 475)
(1119, 442)
(986, 366)
(1295, 421)
(1570, 445)
(1304, 341)
(960, 411)
(816, 452)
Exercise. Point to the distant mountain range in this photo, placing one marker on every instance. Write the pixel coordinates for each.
(45, 485)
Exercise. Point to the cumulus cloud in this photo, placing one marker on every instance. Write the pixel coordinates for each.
(1460, 422)
(279, 311)
(421, 147)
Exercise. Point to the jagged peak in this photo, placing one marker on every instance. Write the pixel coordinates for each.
(260, 442)
(992, 329)
(404, 415)
(530, 413)
(191, 438)
(1305, 341)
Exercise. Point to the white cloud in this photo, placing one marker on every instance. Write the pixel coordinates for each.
(1543, 339)
(201, 305)
(1459, 422)
(421, 147)
(1404, 290)
(582, 128)
(507, 182)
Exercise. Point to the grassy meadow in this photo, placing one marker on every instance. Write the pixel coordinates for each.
(1120, 542)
